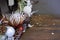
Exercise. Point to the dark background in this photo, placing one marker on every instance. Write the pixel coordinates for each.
(44, 7)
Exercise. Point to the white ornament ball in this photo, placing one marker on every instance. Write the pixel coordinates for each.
(10, 31)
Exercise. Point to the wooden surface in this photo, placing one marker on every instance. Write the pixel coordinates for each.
(48, 31)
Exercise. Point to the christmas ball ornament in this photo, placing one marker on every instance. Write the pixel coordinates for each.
(10, 31)
(21, 28)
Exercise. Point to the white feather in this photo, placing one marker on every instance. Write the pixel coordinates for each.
(15, 18)
(28, 9)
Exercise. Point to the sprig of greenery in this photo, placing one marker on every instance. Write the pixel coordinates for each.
(21, 5)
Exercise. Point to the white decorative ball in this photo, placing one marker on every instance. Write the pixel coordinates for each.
(10, 31)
